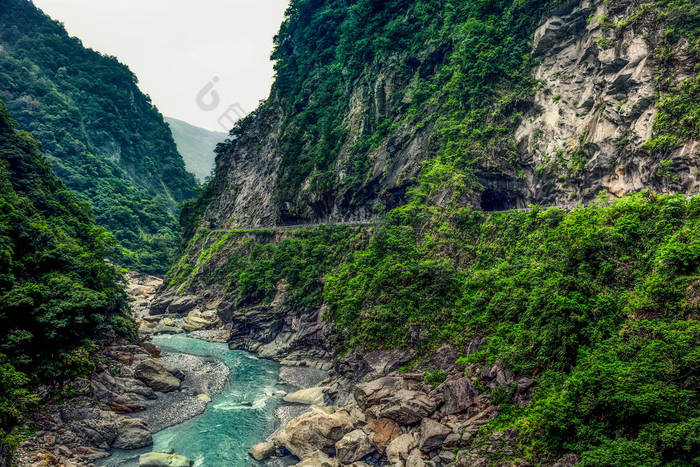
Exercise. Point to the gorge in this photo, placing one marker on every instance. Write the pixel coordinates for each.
(456, 233)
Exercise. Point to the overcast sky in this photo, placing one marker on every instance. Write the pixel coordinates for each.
(177, 47)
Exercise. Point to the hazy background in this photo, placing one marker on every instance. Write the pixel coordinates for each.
(176, 47)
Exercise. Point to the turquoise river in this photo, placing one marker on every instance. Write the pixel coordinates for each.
(222, 435)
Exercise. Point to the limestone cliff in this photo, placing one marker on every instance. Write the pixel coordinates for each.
(595, 108)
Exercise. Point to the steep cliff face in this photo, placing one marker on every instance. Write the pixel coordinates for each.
(430, 113)
(344, 136)
(595, 109)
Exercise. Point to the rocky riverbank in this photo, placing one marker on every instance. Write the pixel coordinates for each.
(134, 392)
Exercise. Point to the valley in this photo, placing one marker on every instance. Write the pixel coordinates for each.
(456, 233)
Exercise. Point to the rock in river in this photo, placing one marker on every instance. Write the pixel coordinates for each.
(262, 451)
(311, 396)
(157, 459)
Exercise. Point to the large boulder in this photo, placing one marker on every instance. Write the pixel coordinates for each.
(432, 434)
(197, 320)
(405, 407)
(182, 304)
(156, 376)
(383, 431)
(353, 447)
(392, 397)
(311, 396)
(262, 451)
(317, 429)
(398, 450)
(415, 459)
(374, 392)
(459, 395)
(132, 434)
(158, 459)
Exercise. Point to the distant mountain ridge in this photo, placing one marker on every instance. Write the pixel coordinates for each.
(107, 141)
(196, 145)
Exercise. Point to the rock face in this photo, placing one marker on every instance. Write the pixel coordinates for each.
(596, 107)
(294, 338)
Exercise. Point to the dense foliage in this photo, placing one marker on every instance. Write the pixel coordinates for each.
(58, 294)
(108, 142)
(254, 263)
(601, 304)
(461, 66)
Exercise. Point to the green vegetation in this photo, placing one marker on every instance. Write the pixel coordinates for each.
(601, 305)
(472, 83)
(252, 263)
(107, 141)
(196, 145)
(58, 294)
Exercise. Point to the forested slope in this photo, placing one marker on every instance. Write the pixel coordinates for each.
(107, 141)
(196, 145)
(59, 297)
(433, 112)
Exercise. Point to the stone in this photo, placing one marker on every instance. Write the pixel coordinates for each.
(369, 394)
(415, 459)
(384, 431)
(262, 451)
(432, 434)
(151, 348)
(132, 434)
(155, 376)
(164, 329)
(446, 456)
(182, 304)
(353, 447)
(390, 397)
(459, 395)
(204, 398)
(318, 459)
(317, 429)
(399, 449)
(443, 359)
(197, 320)
(311, 396)
(158, 459)
(568, 460)
(405, 407)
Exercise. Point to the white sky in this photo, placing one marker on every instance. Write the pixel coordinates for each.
(176, 47)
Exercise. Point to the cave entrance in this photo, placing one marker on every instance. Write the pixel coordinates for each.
(496, 200)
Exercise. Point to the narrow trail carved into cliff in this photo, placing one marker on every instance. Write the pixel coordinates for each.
(567, 207)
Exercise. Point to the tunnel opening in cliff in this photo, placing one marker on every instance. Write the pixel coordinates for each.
(498, 200)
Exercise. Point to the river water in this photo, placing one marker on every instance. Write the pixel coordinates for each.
(240, 416)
